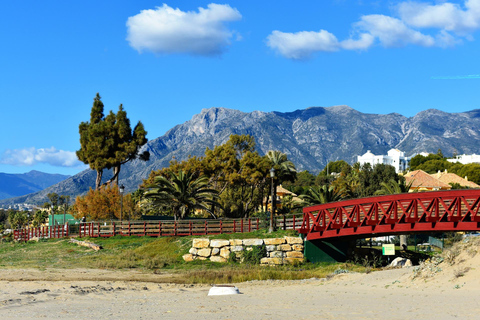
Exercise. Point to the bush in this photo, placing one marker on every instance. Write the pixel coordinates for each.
(255, 255)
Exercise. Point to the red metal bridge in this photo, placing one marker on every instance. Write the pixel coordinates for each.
(437, 211)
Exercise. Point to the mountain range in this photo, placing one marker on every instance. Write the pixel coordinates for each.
(310, 137)
(13, 185)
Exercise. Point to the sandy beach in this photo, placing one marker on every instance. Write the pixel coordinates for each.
(389, 294)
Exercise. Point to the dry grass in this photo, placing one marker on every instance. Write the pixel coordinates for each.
(157, 255)
(460, 272)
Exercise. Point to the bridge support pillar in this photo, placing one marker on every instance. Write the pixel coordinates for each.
(327, 251)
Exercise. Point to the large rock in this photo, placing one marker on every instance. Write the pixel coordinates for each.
(297, 247)
(188, 257)
(217, 259)
(236, 242)
(274, 241)
(294, 240)
(284, 247)
(276, 254)
(219, 243)
(271, 248)
(252, 242)
(294, 254)
(193, 251)
(215, 251)
(236, 248)
(204, 252)
(225, 253)
(201, 243)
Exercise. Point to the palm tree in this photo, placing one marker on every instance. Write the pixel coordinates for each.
(284, 168)
(182, 192)
(393, 187)
(321, 195)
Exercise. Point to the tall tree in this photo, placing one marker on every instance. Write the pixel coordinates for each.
(107, 142)
(284, 169)
(94, 142)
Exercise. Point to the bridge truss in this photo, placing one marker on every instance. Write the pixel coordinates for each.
(436, 211)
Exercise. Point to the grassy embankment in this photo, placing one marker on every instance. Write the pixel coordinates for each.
(156, 255)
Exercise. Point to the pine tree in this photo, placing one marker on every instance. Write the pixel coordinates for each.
(107, 142)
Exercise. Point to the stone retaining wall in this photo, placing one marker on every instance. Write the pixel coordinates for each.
(286, 250)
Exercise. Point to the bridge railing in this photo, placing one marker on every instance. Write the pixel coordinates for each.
(456, 210)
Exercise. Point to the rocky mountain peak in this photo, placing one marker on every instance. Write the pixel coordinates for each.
(310, 137)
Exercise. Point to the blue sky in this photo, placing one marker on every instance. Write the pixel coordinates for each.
(166, 61)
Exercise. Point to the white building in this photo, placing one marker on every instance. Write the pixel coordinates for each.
(394, 157)
(466, 159)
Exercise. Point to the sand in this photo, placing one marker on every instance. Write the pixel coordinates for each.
(444, 289)
(389, 294)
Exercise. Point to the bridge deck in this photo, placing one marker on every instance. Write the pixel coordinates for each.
(438, 211)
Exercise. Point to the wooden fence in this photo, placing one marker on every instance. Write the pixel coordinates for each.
(158, 228)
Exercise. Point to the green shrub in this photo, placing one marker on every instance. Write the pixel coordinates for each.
(255, 255)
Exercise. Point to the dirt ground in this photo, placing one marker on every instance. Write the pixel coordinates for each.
(389, 294)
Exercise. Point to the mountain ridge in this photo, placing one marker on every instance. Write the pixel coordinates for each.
(19, 184)
(310, 137)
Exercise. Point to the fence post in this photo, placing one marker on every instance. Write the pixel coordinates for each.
(113, 227)
(241, 225)
(129, 228)
(175, 228)
(206, 227)
(234, 226)
(221, 227)
(144, 228)
(258, 224)
(249, 225)
(294, 226)
(98, 228)
(191, 228)
(159, 228)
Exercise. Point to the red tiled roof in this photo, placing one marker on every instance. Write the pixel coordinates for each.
(421, 179)
(448, 177)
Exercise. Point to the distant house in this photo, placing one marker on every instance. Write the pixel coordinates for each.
(466, 159)
(394, 157)
(281, 193)
(422, 181)
(449, 177)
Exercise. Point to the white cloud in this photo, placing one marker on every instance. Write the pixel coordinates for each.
(365, 41)
(165, 30)
(446, 24)
(302, 45)
(392, 32)
(33, 156)
(446, 16)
